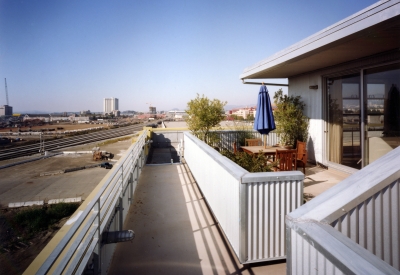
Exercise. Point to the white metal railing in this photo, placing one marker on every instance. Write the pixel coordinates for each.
(74, 245)
(250, 207)
(352, 228)
(227, 138)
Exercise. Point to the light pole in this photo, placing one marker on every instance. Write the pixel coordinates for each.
(41, 146)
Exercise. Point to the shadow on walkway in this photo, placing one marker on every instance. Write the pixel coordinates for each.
(175, 232)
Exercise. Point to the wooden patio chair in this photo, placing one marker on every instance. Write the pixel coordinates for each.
(253, 142)
(301, 160)
(286, 160)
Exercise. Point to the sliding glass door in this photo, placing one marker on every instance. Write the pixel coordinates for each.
(372, 108)
(344, 120)
(382, 111)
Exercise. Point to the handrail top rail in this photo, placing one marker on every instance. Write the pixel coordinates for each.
(272, 176)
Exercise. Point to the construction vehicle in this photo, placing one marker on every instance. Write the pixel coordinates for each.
(100, 155)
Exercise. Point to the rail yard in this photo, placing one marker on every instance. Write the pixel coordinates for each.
(66, 141)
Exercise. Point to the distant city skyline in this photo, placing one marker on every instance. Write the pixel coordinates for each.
(227, 107)
(65, 55)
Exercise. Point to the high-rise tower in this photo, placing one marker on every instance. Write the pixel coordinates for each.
(110, 105)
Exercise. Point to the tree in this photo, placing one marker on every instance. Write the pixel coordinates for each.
(203, 115)
(250, 118)
(291, 124)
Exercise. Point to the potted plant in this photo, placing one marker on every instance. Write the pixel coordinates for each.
(291, 123)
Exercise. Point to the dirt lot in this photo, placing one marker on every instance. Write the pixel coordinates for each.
(24, 183)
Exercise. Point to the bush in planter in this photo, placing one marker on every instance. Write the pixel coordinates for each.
(204, 115)
(291, 123)
(252, 163)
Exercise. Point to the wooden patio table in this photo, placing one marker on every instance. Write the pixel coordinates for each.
(268, 150)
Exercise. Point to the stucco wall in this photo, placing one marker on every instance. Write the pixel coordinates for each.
(313, 100)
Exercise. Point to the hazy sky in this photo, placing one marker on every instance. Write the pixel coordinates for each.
(69, 55)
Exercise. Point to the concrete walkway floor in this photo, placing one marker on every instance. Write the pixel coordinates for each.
(317, 180)
(175, 232)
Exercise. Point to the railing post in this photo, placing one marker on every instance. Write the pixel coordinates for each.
(120, 214)
(130, 198)
(97, 261)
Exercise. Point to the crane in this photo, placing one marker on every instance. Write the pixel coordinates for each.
(5, 80)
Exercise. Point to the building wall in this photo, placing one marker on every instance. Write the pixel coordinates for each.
(244, 112)
(299, 86)
(62, 118)
(152, 110)
(6, 110)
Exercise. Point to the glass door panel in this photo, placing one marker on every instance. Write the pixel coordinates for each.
(382, 115)
(344, 120)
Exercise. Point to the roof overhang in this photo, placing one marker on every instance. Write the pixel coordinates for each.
(372, 30)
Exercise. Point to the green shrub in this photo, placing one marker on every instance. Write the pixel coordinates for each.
(252, 163)
(37, 219)
(291, 124)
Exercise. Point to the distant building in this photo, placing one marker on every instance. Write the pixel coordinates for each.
(79, 119)
(57, 119)
(6, 110)
(110, 105)
(85, 112)
(42, 117)
(152, 110)
(177, 115)
(116, 113)
(244, 112)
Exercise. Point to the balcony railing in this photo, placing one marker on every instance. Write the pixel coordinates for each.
(353, 228)
(79, 245)
(226, 139)
(250, 207)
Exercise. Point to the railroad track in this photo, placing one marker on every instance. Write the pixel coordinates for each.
(51, 145)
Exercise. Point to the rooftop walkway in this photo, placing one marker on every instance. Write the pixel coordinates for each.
(175, 232)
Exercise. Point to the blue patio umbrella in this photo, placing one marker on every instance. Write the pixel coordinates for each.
(264, 121)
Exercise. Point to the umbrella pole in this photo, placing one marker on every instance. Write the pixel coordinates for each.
(265, 141)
